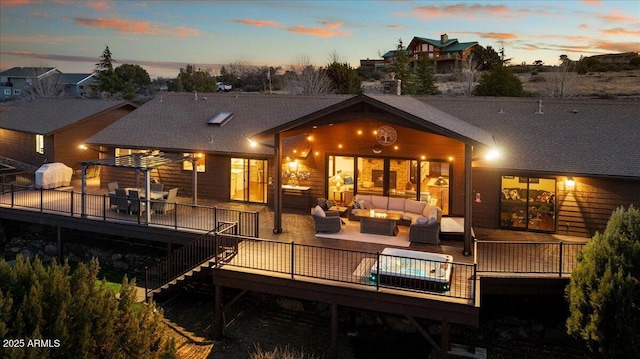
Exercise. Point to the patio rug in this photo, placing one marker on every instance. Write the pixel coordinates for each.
(351, 232)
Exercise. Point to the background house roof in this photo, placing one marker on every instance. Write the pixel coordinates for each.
(45, 116)
(73, 79)
(26, 72)
(590, 136)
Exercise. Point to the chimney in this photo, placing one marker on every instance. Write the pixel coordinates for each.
(444, 38)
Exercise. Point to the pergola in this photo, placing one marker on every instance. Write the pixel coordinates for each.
(144, 162)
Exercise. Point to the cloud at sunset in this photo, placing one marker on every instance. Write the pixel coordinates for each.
(492, 35)
(259, 23)
(328, 28)
(618, 31)
(40, 14)
(99, 5)
(135, 27)
(618, 46)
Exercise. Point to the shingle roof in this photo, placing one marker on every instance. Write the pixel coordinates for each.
(25, 72)
(176, 121)
(45, 116)
(590, 136)
(436, 43)
(73, 79)
(460, 46)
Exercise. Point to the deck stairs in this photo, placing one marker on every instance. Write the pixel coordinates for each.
(193, 259)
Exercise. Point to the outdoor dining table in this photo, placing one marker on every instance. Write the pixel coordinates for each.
(153, 195)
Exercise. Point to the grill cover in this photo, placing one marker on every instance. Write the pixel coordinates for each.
(52, 175)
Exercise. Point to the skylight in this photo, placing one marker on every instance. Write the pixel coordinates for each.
(220, 118)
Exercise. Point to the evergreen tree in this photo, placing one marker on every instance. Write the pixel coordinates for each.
(77, 313)
(344, 77)
(423, 77)
(499, 81)
(107, 80)
(604, 291)
(400, 66)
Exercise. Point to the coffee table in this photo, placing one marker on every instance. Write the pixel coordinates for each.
(379, 223)
(341, 210)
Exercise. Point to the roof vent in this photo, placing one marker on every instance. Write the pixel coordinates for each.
(220, 118)
(539, 112)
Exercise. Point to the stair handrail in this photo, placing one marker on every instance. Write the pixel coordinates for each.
(186, 259)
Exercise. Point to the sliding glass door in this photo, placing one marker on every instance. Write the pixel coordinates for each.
(528, 203)
(248, 180)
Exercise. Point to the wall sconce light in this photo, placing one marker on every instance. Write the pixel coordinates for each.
(570, 183)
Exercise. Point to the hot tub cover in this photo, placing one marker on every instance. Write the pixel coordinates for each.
(52, 175)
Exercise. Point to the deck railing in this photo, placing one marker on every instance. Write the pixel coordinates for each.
(526, 257)
(347, 266)
(98, 207)
(202, 252)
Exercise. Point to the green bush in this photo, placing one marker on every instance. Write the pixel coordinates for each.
(81, 319)
(604, 291)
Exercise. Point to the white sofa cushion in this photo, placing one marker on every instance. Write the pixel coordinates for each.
(366, 197)
(396, 204)
(380, 202)
(413, 206)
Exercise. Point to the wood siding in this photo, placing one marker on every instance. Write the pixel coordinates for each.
(21, 146)
(581, 211)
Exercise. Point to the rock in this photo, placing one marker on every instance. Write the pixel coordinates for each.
(537, 327)
(521, 333)
(120, 265)
(399, 324)
(116, 256)
(290, 304)
(26, 253)
(51, 249)
(505, 335)
(16, 250)
(94, 252)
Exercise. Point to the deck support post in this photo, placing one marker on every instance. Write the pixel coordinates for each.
(277, 183)
(218, 324)
(445, 340)
(423, 332)
(468, 188)
(59, 237)
(334, 325)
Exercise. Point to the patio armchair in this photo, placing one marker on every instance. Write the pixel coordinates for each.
(136, 206)
(330, 222)
(425, 233)
(165, 205)
(122, 203)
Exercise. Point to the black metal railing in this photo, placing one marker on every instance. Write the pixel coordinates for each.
(204, 251)
(355, 267)
(101, 207)
(526, 257)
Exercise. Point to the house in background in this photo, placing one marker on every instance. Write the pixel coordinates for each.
(448, 55)
(16, 79)
(51, 130)
(566, 164)
(78, 85)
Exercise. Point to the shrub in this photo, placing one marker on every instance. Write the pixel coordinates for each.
(604, 291)
(278, 353)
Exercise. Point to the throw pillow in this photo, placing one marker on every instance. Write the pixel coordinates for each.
(356, 204)
(330, 203)
(320, 212)
(365, 205)
(432, 220)
(422, 220)
(322, 202)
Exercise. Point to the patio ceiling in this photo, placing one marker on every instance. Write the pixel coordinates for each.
(142, 161)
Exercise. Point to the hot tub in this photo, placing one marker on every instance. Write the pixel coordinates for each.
(412, 269)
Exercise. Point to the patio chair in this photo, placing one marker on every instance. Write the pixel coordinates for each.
(136, 206)
(112, 186)
(157, 186)
(165, 205)
(331, 222)
(122, 202)
(425, 233)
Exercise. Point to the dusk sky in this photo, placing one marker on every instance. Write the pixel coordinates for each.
(163, 36)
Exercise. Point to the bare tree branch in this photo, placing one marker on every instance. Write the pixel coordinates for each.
(306, 79)
(48, 86)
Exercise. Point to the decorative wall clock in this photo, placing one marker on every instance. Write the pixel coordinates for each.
(387, 135)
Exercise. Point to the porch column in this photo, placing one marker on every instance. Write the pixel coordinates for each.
(194, 180)
(83, 197)
(277, 191)
(468, 158)
(147, 193)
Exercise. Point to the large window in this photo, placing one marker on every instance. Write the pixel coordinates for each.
(40, 144)
(341, 179)
(528, 203)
